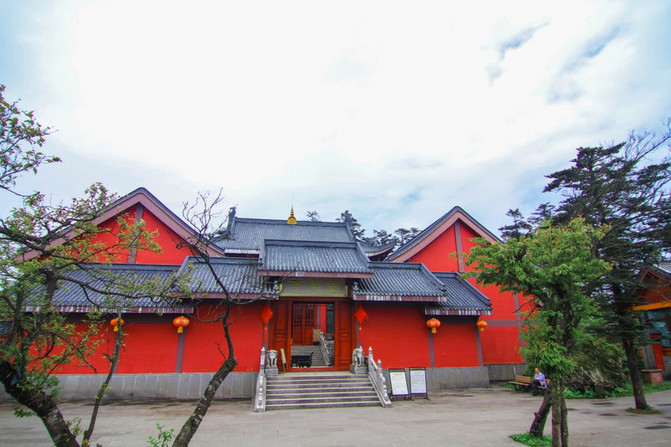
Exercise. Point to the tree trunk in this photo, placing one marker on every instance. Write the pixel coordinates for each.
(191, 425)
(559, 414)
(564, 420)
(42, 404)
(105, 385)
(540, 417)
(636, 383)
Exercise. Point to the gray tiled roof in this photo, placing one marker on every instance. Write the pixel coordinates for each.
(238, 275)
(104, 282)
(376, 250)
(462, 298)
(665, 267)
(400, 282)
(306, 256)
(250, 234)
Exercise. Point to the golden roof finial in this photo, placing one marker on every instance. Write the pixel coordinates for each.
(292, 219)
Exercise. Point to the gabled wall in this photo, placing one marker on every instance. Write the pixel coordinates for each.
(500, 340)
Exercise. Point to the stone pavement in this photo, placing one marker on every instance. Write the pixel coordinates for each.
(473, 417)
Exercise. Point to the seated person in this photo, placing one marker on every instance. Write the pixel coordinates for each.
(539, 380)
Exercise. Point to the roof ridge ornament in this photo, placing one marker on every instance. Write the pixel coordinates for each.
(292, 219)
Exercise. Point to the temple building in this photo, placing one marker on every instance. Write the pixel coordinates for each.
(309, 292)
(654, 307)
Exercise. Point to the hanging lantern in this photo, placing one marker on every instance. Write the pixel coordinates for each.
(482, 324)
(116, 323)
(360, 314)
(433, 324)
(266, 314)
(180, 323)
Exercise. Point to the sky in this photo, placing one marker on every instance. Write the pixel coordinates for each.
(395, 111)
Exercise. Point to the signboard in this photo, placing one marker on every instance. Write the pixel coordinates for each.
(418, 381)
(328, 287)
(398, 382)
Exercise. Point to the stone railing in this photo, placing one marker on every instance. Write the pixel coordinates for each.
(325, 349)
(260, 394)
(377, 379)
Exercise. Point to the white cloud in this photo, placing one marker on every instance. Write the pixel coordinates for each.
(395, 111)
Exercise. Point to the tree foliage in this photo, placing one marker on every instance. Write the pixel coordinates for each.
(44, 248)
(626, 187)
(553, 268)
(20, 133)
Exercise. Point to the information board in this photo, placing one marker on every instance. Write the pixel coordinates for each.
(418, 381)
(399, 384)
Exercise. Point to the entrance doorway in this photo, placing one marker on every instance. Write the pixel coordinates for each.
(311, 319)
(298, 323)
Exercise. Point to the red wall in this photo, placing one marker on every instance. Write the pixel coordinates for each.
(436, 256)
(165, 237)
(168, 241)
(455, 345)
(151, 343)
(500, 341)
(201, 353)
(108, 237)
(500, 345)
(397, 332)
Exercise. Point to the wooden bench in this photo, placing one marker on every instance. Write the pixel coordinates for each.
(523, 383)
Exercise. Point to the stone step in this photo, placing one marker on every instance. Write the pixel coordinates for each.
(308, 405)
(325, 380)
(334, 388)
(319, 390)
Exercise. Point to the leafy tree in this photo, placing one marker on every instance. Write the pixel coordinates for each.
(43, 248)
(19, 129)
(551, 267)
(626, 187)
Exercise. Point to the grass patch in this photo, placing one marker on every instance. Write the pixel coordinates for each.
(525, 439)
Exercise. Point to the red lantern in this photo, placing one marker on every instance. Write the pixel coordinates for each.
(482, 324)
(360, 314)
(266, 314)
(433, 324)
(180, 323)
(116, 323)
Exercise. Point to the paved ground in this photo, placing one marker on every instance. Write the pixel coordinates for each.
(476, 417)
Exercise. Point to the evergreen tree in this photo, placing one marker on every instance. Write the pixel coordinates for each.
(626, 188)
(406, 235)
(313, 216)
(357, 231)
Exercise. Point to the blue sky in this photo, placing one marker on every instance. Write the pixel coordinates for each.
(396, 111)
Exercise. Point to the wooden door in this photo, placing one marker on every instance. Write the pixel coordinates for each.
(303, 322)
(344, 340)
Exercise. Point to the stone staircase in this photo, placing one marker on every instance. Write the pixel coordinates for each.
(319, 390)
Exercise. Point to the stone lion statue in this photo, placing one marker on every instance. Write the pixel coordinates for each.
(357, 357)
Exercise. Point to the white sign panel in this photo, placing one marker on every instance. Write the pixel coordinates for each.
(418, 381)
(399, 385)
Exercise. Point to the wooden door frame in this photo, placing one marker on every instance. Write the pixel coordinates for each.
(282, 325)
